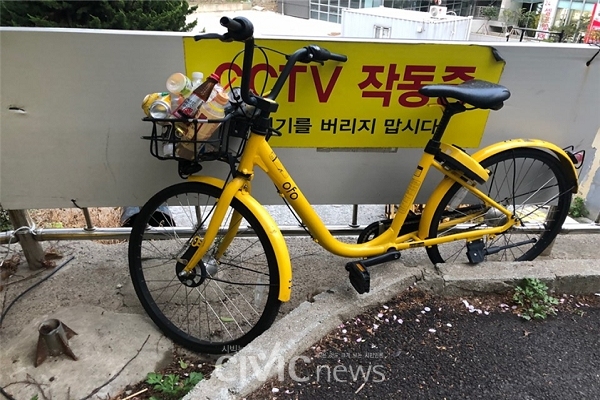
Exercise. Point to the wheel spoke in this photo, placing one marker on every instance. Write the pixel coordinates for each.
(220, 302)
(530, 183)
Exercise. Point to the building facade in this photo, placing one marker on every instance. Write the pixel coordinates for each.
(563, 12)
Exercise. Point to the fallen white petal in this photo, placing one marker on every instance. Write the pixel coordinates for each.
(432, 330)
(386, 307)
(275, 390)
(375, 326)
(449, 325)
(427, 309)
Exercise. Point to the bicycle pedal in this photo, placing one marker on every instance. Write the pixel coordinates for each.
(359, 276)
(476, 251)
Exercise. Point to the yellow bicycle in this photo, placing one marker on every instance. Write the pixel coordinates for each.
(212, 269)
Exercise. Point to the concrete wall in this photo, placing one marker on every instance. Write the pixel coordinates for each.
(77, 136)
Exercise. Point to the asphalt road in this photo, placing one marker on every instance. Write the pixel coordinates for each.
(442, 350)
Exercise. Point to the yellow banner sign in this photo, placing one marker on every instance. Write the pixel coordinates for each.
(370, 101)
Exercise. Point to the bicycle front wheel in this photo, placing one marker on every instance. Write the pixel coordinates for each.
(530, 183)
(226, 301)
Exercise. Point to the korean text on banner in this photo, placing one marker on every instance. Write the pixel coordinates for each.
(371, 101)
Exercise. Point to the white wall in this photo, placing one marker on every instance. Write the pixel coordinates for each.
(403, 24)
(81, 92)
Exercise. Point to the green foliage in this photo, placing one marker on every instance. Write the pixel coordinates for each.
(529, 19)
(533, 298)
(5, 224)
(511, 17)
(490, 13)
(121, 14)
(171, 386)
(521, 18)
(182, 364)
(578, 209)
(574, 28)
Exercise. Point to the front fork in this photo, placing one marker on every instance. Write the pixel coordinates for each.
(203, 244)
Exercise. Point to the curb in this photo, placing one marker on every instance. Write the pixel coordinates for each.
(248, 369)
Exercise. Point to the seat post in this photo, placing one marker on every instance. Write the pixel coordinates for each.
(450, 109)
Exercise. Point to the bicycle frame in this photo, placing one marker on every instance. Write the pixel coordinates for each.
(259, 153)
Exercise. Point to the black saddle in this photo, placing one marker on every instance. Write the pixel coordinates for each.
(478, 93)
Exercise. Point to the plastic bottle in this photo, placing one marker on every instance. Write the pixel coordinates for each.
(202, 132)
(197, 79)
(179, 84)
(217, 89)
(211, 110)
(190, 105)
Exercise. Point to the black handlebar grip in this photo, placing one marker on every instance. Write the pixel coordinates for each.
(338, 57)
(231, 24)
(239, 28)
(317, 53)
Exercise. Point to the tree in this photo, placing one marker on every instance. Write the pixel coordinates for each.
(490, 13)
(130, 15)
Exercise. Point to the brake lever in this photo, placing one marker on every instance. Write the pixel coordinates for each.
(223, 38)
(207, 36)
(306, 60)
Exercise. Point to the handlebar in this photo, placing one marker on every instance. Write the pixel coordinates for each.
(240, 29)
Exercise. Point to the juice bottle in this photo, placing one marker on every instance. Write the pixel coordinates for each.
(214, 109)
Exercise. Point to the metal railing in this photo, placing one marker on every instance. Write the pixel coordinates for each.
(560, 35)
(43, 234)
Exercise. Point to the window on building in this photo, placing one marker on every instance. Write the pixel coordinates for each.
(382, 32)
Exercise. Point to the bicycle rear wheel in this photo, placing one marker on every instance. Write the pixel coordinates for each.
(531, 182)
(224, 304)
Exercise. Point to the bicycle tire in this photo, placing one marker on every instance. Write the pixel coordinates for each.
(222, 306)
(512, 175)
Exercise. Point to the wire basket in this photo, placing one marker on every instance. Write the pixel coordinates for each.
(194, 140)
